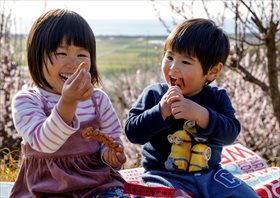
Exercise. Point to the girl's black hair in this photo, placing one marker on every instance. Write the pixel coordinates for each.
(47, 34)
(200, 38)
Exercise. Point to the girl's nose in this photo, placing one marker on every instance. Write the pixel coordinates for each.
(72, 64)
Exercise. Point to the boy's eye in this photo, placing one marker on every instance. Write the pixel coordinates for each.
(169, 57)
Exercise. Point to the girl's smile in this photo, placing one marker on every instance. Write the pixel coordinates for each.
(62, 64)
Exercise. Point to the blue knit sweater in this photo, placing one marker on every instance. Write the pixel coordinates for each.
(146, 126)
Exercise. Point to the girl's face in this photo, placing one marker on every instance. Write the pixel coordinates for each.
(66, 60)
(183, 71)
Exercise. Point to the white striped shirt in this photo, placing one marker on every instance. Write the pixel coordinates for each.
(47, 133)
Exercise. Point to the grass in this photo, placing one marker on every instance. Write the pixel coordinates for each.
(9, 164)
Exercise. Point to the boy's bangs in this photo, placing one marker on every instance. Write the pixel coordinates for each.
(183, 45)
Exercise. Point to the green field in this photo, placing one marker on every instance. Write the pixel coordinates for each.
(126, 53)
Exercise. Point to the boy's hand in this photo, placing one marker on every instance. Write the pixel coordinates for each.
(173, 94)
(114, 159)
(183, 108)
(165, 108)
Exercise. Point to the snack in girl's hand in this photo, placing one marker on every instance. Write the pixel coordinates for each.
(101, 137)
(82, 65)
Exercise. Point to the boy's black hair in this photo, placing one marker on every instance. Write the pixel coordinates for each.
(47, 34)
(200, 38)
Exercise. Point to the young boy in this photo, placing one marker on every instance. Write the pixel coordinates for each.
(184, 123)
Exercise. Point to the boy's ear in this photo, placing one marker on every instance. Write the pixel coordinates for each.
(214, 72)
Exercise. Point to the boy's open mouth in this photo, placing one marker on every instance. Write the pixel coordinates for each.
(176, 81)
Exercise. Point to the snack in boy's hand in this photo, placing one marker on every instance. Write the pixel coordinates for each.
(82, 65)
(177, 82)
(101, 137)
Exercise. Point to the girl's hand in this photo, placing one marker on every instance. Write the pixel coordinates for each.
(114, 159)
(78, 87)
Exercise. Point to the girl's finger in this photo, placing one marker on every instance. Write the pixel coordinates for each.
(121, 157)
(83, 65)
(87, 94)
(85, 82)
(78, 79)
(71, 78)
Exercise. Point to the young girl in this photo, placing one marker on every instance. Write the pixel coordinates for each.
(57, 161)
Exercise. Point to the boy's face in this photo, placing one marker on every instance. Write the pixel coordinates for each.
(66, 60)
(184, 72)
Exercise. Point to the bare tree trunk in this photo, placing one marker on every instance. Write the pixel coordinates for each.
(272, 70)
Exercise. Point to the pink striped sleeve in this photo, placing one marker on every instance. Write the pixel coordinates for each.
(110, 123)
(43, 133)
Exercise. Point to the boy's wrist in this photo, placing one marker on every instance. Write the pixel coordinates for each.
(203, 117)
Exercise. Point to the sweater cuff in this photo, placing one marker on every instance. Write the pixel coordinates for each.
(73, 127)
(212, 123)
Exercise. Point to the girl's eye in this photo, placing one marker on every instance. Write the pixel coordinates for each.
(60, 54)
(82, 55)
(186, 62)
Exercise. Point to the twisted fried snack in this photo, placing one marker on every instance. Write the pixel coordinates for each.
(82, 65)
(101, 137)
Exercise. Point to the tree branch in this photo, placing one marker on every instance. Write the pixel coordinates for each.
(255, 19)
(234, 64)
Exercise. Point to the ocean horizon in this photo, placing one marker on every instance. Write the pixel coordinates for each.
(143, 27)
(122, 27)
